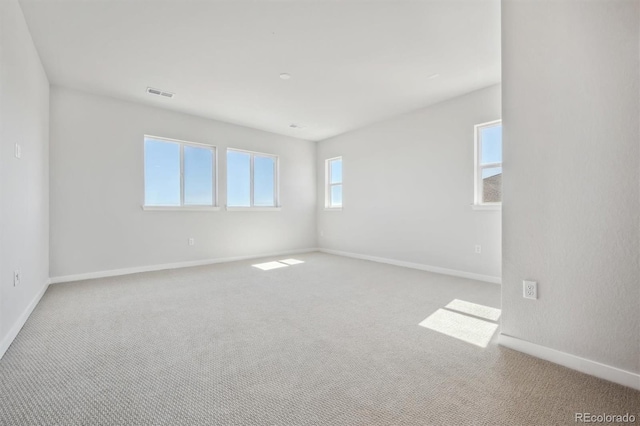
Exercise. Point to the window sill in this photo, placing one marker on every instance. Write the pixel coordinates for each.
(181, 208)
(486, 206)
(254, 209)
(333, 209)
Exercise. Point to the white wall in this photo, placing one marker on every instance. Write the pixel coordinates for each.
(97, 223)
(24, 183)
(571, 191)
(408, 189)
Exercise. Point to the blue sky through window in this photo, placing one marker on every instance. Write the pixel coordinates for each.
(263, 187)
(198, 176)
(335, 182)
(336, 171)
(336, 196)
(491, 149)
(238, 179)
(161, 173)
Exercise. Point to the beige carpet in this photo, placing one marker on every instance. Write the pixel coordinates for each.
(332, 341)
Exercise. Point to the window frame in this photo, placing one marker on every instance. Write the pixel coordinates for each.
(478, 186)
(276, 182)
(328, 185)
(183, 207)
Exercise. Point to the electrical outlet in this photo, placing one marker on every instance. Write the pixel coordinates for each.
(529, 289)
(16, 278)
(18, 152)
(478, 249)
(192, 241)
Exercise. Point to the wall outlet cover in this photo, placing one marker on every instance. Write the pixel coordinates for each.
(529, 289)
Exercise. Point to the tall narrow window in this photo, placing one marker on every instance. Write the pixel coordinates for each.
(252, 179)
(488, 166)
(333, 197)
(178, 174)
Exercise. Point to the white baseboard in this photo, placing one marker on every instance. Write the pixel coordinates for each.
(420, 266)
(8, 339)
(137, 269)
(593, 368)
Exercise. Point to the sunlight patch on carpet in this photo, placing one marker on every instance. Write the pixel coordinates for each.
(474, 309)
(462, 327)
(269, 265)
(292, 261)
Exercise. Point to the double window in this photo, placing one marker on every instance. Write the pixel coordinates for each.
(488, 164)
(182, 175)
(178, 174)
(252, 179)
(333, 185)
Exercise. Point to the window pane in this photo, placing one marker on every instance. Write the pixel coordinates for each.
(491, 138)
(336, 171)
(198, 176)
(492, 185)
(336, 196)
(238, 179)
(161, 173)
(264, 169)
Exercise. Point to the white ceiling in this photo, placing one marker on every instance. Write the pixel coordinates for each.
(352, 62)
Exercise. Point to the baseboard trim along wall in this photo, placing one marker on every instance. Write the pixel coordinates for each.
(420, 266)
(8, 339)
(593, 368)
(138, 269)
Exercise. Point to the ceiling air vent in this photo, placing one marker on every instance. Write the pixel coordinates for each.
(152, 91)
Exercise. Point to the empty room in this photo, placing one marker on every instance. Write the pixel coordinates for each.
(319, 212)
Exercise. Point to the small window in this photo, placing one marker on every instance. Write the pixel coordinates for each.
(333, 197)
(178, 174)
(252, 179)
(488, 166)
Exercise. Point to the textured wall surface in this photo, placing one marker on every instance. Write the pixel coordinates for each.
(408, 189)
(24, 183)
(97, 190)
(571, 177)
